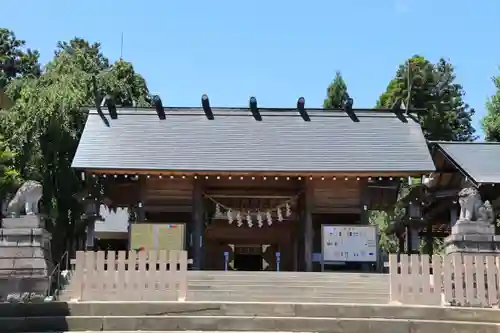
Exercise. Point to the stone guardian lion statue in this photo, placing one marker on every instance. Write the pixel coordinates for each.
(472, 207)
(28, 195)
(485, 213)
(470, 201)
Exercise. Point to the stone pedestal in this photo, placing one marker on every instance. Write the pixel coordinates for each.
(473, 237)
(25, 261)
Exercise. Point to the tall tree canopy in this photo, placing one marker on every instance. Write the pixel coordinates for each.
(45, 123)
(491, 121)
(336, 93)
(15, 59)
(433, 88)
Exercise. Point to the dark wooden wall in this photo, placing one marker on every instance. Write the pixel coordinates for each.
(171, 201)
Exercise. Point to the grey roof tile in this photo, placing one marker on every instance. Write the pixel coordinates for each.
(234, 141)
(480, 160)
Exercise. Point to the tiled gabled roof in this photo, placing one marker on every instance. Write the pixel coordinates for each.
(479, 161)
(332, 141)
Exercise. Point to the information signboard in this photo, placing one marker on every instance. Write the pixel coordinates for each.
(349, 243)
(158, 236)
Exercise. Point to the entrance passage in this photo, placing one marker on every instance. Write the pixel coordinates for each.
(247, 262)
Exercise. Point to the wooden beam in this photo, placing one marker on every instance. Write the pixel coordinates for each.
(304, 174)
(168, 209)
(445, 193)
(229, 196)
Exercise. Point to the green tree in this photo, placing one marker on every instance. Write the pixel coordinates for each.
(45, 124)
(336, 94)
(15, 59)
(491, 121)
(9, 177)
(421, 84)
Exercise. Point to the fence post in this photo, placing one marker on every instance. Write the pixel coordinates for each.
(182, 276)
(394, 284)
(79, 275)
(437, 280)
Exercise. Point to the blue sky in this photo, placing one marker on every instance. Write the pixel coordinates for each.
(275, 50)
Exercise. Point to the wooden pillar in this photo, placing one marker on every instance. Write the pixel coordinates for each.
(141, 212)
(409, 239)
(364, 217)
(308, 226)
(364, 202)
(89, 243)
(401, 244)
(429, 240)
(197, 224)
(453, 214)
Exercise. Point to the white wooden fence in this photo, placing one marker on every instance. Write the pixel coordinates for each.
(450, 280)
(130, 276)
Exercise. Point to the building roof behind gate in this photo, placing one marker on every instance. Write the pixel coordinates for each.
(479, 161)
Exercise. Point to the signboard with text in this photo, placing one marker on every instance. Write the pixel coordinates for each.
(349, 243)
(157, 236)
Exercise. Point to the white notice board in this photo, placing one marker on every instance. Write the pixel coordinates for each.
(349, 243)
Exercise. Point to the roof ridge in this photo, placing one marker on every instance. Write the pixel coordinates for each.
(465, 142)
(261, 109)
(267, 112)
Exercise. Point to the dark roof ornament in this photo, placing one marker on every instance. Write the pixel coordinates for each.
(108, 102)
(301, 107)
(98, 102)
(254, 109)
(205, 103)
(349, 101)
(155, 101)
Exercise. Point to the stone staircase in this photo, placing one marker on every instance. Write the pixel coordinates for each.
(281, 287)
(242, 316)
(288, 287)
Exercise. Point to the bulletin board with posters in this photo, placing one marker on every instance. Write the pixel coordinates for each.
(157, 236)
(349, 243)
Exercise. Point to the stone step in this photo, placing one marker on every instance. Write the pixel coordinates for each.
(290, 291)
(182, 332)
(268, 274)
(248, 297)
(241, 295)
(278, 279)
(240, 323)
(291, 286)
(263, 299)
(284, 278)
(295, 299)
(21, 251)
(255, 309)
(22, 222)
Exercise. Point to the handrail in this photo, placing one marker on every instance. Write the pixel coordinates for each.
(57, 270)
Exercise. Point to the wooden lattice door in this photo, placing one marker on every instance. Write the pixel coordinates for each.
(269, 257)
